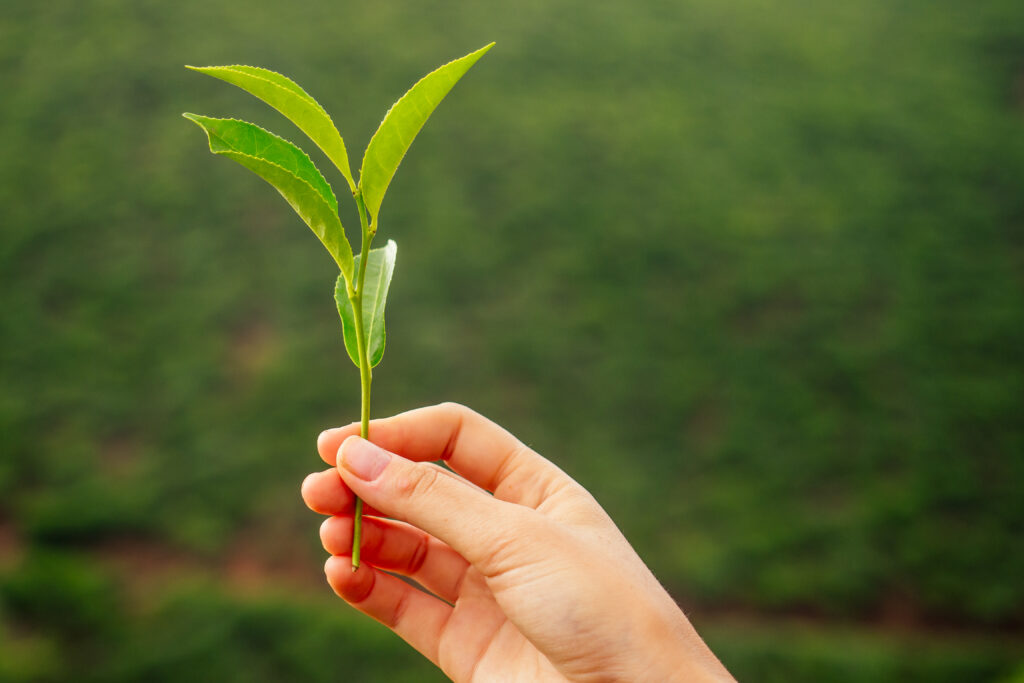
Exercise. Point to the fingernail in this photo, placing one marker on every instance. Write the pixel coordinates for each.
(363, 459)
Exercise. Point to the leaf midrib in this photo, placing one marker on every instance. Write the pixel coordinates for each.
(299, 92)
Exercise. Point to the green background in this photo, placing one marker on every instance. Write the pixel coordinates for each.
(751, 272)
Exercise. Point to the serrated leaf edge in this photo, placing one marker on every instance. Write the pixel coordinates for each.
(345, 172)
(332, 202)
(237, 68)
(305, 182)
(340, 299)
(394, 104)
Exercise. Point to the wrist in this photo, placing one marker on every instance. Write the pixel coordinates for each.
(680, 654)
(693, 661)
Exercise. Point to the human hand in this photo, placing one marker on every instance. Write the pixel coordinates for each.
(533, 583)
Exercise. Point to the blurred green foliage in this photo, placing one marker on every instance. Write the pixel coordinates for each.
(753, 273)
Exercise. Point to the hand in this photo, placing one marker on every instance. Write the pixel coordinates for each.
(534, 583)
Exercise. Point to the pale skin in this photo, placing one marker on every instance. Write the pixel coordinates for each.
(532, 583)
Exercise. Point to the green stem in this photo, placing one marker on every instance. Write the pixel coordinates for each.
(365, 373)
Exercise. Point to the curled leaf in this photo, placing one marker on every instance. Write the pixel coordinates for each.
(375, 295)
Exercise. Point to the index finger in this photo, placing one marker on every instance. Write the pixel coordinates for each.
(473, 446)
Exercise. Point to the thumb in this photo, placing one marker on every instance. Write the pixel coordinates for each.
(484, 530)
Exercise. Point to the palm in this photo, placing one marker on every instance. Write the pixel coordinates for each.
(479, 643)
(472, 634)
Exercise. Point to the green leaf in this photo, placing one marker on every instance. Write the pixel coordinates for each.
(288, 169)
(401, 124)
(285, 95)
(375, 295)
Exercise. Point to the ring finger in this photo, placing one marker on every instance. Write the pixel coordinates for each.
(402, 548)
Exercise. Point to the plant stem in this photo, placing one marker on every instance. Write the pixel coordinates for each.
(365, 373)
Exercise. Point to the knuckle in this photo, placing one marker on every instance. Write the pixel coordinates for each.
(570, 490)
(456, 410)
(416, 482)
(394, 620)
(419, 554)
(588, 511)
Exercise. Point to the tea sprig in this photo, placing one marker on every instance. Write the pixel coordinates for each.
(361, 289)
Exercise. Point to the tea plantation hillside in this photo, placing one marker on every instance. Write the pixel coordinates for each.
(752, 273)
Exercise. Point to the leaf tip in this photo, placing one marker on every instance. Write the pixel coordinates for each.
(195, 118)
(198, 120)
(482, 51)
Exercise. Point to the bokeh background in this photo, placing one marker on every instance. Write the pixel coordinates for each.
(752, 272)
